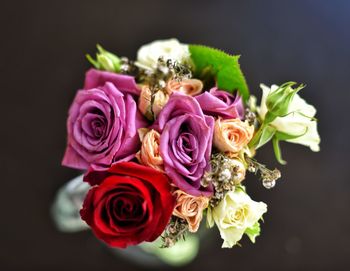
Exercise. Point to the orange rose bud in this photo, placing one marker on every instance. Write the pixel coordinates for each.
(232, 135)
(191, 87)
(190, 208)
(149, 154)
(160, 99)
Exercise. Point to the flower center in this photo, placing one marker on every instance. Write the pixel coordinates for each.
(186, 147)
(127, 209)
(98, 127)
(237, 217)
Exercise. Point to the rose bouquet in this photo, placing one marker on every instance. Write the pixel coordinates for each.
(167, 140)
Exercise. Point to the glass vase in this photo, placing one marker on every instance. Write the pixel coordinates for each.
(65, 213)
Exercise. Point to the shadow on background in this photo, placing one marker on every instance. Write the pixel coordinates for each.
(42, 65)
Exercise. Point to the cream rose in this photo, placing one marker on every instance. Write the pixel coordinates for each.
(298, 121)
(190, 87)
(149, 154)
(190, 208)
(160, 99)
(148, 54)
(235, 215)
(232, 135)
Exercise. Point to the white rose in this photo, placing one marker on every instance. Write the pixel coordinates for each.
(149, 54)
(298, 121)
(235, 215)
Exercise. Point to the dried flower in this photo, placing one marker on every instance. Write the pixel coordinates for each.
(250, 116)
(128, 67)
(176, 230)
(225, 174)
(267, 176)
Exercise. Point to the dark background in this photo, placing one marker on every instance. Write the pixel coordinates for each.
(42, 64)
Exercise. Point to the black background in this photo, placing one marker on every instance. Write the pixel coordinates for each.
(42, 64)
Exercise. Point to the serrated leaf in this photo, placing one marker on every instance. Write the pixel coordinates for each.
(224, 67)
(277, 150)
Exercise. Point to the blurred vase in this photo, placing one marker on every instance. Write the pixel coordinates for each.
(65, 213)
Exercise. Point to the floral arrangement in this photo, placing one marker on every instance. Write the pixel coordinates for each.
(168, 139)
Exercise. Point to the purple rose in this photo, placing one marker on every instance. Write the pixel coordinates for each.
(185, 143)
(221, 103)
(103, 121)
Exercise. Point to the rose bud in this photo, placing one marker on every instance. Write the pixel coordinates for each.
(190, 87)
(190, 208)
(160, 99)
(149, 154)
(297, 117)
(278, 101)
(105, 60)
(232, 135)
(103, 121)
(128, 204)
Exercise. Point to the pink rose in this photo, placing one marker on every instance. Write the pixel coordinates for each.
(103, 121)
(220, 103)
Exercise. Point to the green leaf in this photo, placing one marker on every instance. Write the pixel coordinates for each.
(210, 219)
(266, 135)
(223, 67)
(269, 117)
(277, 150)
(253, 232)
(241, 188)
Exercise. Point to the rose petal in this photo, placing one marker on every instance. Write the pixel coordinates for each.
(124, 83)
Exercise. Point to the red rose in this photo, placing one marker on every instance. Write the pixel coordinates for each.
(131, 204)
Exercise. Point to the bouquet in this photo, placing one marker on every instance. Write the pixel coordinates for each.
(167, 140)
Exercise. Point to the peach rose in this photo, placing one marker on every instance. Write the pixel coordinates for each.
(190, 208)
(160, 99)
(149, 154)
(191, 87)
(232, 135)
